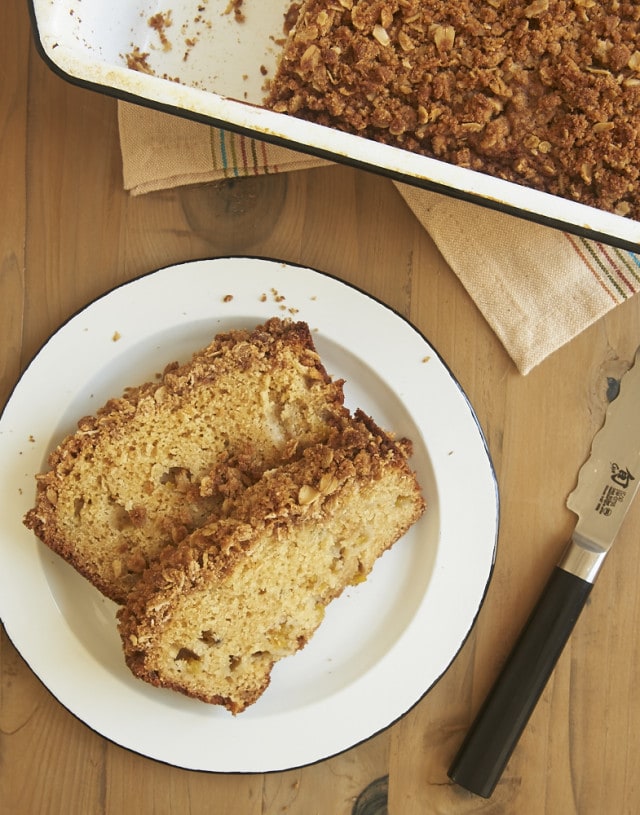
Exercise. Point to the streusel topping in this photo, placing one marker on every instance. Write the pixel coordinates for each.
(543, 93)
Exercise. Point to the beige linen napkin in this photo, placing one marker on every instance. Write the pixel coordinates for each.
(537, 287)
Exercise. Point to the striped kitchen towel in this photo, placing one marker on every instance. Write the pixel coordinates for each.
(537, 287)
(161, 151)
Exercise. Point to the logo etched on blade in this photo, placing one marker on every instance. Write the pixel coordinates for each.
(612, 495)
(621, 476)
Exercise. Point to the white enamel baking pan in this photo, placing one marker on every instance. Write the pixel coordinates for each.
(208, 66)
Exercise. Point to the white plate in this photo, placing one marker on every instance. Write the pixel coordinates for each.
(382, 645)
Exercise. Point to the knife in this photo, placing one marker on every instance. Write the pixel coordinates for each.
(606, 486)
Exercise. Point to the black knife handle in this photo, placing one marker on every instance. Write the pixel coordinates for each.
(506, 711)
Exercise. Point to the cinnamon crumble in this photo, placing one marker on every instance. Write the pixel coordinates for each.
(543, 93)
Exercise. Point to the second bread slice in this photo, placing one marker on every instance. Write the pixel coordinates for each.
(211, 618)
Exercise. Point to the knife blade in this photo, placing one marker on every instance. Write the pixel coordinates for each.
(607, 484)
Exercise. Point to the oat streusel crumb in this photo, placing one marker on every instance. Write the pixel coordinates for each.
(543, 93)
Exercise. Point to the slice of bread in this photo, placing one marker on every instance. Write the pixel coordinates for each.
(151, 467)
(211, 617)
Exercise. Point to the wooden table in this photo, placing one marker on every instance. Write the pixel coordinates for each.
(69, 232)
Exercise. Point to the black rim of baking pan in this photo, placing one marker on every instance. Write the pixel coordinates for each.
(421, 183)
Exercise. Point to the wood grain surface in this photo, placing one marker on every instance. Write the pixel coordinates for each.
(68, 232)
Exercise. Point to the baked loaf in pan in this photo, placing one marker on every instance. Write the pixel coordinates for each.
(211, 617)
(544, 93)
(154, 465)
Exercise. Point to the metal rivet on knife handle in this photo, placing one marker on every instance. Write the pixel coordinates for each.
(607, 483)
